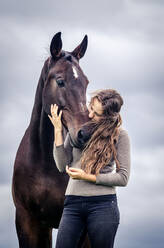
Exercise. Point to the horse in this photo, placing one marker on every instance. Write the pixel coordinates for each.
(37, 186)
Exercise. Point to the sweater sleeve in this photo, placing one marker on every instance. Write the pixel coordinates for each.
(121, 177)
(63, 154)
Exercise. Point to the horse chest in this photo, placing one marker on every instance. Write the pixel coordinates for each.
(39, 187)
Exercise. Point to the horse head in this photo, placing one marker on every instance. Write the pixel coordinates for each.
(65, 85)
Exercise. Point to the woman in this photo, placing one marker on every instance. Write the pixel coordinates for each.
(95, 171)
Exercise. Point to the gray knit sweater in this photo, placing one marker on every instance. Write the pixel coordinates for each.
(106, 180)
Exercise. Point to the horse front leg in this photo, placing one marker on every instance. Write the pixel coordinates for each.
(31, 234)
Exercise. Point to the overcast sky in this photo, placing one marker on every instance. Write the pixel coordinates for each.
(125, 52)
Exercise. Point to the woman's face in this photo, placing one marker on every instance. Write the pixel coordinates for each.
(95, 110)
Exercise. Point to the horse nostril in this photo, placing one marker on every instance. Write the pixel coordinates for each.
(80, 134)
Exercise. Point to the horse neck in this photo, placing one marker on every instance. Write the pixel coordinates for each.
(46, 135)
(40, 128)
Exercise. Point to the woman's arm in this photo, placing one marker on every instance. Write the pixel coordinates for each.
(62, 152)
(121, 177)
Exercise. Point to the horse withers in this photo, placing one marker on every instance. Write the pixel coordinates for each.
(38, 187)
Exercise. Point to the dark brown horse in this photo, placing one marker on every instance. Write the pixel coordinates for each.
(38, 187)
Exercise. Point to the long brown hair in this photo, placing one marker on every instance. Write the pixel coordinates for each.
(100, 147)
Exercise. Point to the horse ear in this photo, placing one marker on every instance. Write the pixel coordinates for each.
(80, 50)
(56, 45)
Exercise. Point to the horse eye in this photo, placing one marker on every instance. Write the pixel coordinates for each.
(60, 83)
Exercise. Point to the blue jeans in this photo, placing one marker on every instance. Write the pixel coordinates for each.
(98, 214)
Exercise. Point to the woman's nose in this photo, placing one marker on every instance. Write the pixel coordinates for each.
(90, 114)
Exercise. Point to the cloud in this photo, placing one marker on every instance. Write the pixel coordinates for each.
(7, 212)
(139, 19)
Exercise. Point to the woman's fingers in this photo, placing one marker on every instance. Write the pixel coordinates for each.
(74, 169)
(60, 114)
(55, 109)
(50, 118)
(71, 173)
(74, 173)
(55, 118)
(68, 169)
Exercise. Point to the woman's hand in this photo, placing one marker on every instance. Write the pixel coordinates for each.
(56, 119)
(76, 173)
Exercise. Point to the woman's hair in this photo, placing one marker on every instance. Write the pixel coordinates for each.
(104, 133)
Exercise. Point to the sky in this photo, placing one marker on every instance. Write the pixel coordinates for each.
(125, 52)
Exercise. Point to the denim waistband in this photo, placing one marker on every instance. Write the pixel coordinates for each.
(91, 198)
